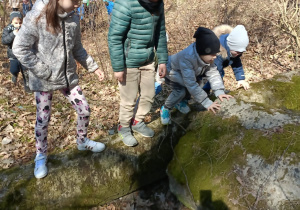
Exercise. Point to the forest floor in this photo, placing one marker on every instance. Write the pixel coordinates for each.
(17, 110)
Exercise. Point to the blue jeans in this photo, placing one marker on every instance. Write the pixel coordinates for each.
(178, 94)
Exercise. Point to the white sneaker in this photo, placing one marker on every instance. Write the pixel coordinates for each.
(40, 169)
(91, 145)
(183, 107)
(165, 116)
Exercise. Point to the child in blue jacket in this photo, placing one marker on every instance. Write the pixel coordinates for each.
(234, 42)
(185, 68)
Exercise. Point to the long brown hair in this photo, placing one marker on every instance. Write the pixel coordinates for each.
(52, 18)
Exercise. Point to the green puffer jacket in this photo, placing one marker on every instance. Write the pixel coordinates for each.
(133, 35)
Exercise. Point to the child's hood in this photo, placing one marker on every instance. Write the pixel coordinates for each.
(221, 30)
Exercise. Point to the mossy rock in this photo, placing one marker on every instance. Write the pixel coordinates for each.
(245, 157)
(82, 180)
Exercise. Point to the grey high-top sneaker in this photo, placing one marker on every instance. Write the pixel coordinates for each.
(142, 128)
(127, 137)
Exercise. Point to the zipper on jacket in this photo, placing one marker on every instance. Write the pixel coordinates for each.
(65, 52)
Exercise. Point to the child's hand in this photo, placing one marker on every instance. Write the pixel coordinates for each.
(119, 76)
(213, 107)
(244, 84)
(224, 96)
(162, 70)
(100, 74)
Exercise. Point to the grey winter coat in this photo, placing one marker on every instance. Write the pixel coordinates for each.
(186, 66)
(51, 58)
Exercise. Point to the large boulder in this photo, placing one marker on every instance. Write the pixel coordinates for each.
(245, 157)
(81, 180)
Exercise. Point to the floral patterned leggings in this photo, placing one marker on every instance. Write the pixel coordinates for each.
(43, 113)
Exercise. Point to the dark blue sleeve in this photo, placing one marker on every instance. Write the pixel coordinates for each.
(237, 68)
(219, 63)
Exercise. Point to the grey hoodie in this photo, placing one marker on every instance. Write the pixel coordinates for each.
(186, 66)
(45, 54)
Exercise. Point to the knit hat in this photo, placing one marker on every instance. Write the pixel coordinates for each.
(15, 14)
(238, 39)
(207, 43)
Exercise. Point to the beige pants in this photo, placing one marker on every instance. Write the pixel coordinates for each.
(138, 80)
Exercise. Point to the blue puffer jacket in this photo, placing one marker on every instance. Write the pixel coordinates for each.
(186, 66)
(235, 63)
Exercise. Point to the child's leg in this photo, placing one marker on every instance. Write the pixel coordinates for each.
(14, 67)
(79, 103)
(43, 113)
(147, 91)
(177, 95)
(128, 95)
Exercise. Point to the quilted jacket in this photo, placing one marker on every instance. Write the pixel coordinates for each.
(50, 58)
(133, 35)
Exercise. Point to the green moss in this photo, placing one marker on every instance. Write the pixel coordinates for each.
(278, 94)
(15, 199)
(271, 145)
(205, 152)
(206, 155)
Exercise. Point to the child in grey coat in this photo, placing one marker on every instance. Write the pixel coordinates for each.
(186, 68)
(48, 44)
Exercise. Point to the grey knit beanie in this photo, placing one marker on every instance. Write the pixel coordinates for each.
(15, 14)
(238, 39)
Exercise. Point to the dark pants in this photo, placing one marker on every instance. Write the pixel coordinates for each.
(178, 94)
(16, 67)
